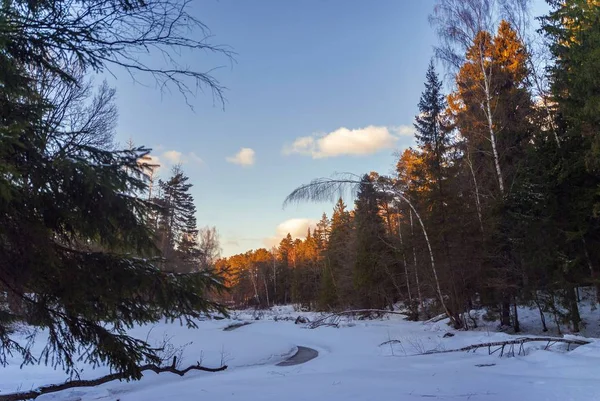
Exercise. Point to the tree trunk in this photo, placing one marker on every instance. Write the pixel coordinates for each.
(505, 312)
(555, 314)
(488, 109)
(266, 290)
(542, 317)
(516, 324)
(412, 233)
(573, 307)
(477, 201)
(593, 273)
(404, 261)
(453, 319)
(253, 279)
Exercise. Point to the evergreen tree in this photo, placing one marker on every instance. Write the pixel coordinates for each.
(177, 230)
(434, 140)
(436, 170)
(336, 285)
(373, 256)
(284, 271)
(572, 28)
(431, 135)
(321, 233)
(76, 255)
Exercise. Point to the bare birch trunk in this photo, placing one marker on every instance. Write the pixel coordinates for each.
(592, 270)
(404, 260)
(266, 290)
(452, 318)
(412, 233)
(488, 108)
(274, 275)
(477, 201)
(253, 276)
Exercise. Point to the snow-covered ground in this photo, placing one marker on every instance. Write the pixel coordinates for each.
(352, 365)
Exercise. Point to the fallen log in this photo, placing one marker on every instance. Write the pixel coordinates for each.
(335, 316)
(500, 345)
(436, 319)
(53, 388)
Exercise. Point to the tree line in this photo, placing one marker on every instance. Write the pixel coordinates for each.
(497, 205)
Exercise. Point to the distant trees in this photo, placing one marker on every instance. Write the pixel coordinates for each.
(497, 205)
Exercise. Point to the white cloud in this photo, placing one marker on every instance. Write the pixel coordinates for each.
(344, 141)
(297, 228)
(404, 130)
(173, 156)
(245, 157)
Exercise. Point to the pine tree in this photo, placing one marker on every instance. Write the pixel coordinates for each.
(336, 284)
(373, 256)
(572, 27)
(177, 230)
(321, 233)
(434, 190)
(434, 139)
(284, 271)
(431, 135)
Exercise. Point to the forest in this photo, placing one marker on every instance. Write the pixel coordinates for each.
(496, 206)
(498, 203)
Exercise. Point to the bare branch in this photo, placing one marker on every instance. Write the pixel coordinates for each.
(53, 388)
(326, 320)
(325, 189)
(98, 34)
(519, 341)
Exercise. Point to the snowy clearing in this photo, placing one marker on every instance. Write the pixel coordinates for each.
(351, 365)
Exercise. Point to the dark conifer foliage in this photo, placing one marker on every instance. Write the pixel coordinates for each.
(430, 132)
(177, 230)
(78, 254)
(373, 257)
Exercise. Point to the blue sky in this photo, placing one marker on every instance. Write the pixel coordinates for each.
(303, 70)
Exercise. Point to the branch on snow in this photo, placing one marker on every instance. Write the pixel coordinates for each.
(333, 319)
(53, 388)
(509, 345)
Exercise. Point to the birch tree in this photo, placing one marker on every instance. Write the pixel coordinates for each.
(464, 27)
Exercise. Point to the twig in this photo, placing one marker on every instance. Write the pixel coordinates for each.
(390, 342)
